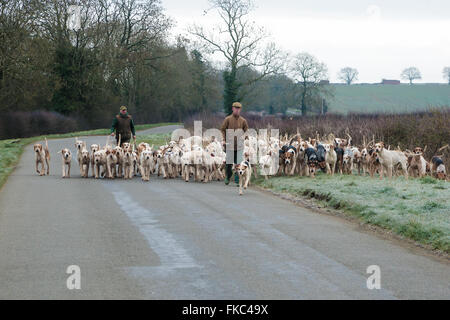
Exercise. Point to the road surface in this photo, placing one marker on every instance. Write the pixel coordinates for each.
(177, 240)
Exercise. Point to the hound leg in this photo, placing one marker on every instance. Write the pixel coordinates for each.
(42, 168)
(405, 171)
(247, 180)
(240, 186)
(291, 173)
(48, 166)
(164, 173)
(93, 169)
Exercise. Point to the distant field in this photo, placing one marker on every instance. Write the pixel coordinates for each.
(389, 98)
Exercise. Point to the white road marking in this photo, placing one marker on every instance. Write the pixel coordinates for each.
(171, 253)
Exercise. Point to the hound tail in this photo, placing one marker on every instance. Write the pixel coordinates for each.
(46, 148)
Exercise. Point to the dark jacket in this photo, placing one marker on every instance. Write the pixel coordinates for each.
(123, 124)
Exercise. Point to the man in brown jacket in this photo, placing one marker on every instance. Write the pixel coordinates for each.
(123, 124)
(234, 149)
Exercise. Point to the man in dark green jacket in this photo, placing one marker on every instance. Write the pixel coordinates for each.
(123, 124)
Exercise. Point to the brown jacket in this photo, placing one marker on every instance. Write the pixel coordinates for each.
(232, 122)
(123, 126)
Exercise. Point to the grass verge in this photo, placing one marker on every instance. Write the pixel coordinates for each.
(11, 149)
(418, 209)
(157, 139)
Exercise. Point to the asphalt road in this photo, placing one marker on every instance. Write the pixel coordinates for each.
(177, 240)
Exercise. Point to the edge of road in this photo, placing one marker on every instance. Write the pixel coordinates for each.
(313, 205)
(29, 140)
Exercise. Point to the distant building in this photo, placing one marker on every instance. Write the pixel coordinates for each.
(322, 82)
(385, 81)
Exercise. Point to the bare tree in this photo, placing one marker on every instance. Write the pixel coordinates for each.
(446, 74)
(242, 43)
(308, 71)
(411, 74)
(348, 75)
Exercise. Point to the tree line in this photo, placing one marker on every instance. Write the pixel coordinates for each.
(120, 54)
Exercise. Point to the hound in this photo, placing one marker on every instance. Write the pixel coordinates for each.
(390, 158)
(128, 163)
(94, 149)
(42, 156)
(365, 160)
(330, 158)
(311, 160)
(339, 159)
(347, 161)
(111, 162)
(321, 156)
(85, 161)
(290, 160)
(66, 161)
(100, 162)
(119, 155)
(79, 145)
(417, 166)
(146, 164)
(302, 167)
(374, 163)
(244, 171)
(438, 168)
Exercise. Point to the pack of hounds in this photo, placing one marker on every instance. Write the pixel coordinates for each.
(204, 159)
(331, 154)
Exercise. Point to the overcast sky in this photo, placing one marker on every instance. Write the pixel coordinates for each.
(379, 37)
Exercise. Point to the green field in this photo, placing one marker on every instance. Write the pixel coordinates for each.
(388, 98)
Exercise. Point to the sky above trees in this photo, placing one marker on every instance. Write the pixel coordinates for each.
(380, 38)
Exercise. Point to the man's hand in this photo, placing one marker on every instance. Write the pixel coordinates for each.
(112, 134)
(134, 137)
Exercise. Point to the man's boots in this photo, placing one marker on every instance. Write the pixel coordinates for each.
(228, 173)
